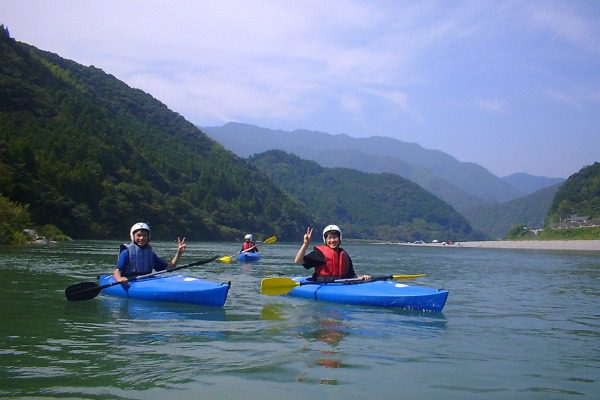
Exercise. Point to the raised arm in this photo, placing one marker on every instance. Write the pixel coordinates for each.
(306, 241)
(180, 250)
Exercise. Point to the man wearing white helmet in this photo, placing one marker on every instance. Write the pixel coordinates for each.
(330, 260)
(138, 258)
(249, 245)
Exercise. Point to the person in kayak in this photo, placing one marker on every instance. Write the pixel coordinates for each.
(329, 260)
(138, 258)
(249, 245)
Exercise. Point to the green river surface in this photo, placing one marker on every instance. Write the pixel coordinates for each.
(518, 324)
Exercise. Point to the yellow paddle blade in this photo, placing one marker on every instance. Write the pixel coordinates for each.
(270, 240)
(407, 276)
(277, 286)
(225, 259)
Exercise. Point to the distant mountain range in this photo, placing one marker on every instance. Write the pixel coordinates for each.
(469, 188)
(463, 185)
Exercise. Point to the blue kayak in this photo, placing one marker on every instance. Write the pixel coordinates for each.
(384, 293)
(174, 288)
(249, 256)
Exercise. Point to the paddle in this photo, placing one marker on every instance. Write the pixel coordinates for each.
(269, 240)
(88, 290)
(283, 285)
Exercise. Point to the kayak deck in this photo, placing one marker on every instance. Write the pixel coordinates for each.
(173, 288)
(383, 293)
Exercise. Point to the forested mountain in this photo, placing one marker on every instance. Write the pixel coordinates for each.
(496, 220)
(90, 155)
(375, 206)
(578, 195)
(462, 185)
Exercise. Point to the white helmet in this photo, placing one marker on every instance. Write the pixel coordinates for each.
(330, 228)
(248, 237)
(137, 227)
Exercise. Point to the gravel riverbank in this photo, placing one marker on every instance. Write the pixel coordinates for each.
(580, 245)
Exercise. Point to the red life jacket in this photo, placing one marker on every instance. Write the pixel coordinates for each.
(249, 245)
(336, 263)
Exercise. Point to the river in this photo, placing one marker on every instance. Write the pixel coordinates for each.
(518, 324)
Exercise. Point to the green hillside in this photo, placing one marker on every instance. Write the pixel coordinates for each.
(371, 206)
(81, 150)
(579, 195)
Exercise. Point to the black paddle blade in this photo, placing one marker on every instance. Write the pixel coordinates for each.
(82, 291)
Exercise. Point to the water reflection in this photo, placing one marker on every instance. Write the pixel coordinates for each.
(330, 331)
(327, 330)
(132, 309)
(273, 312)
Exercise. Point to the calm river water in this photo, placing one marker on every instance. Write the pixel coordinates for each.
(518, 324)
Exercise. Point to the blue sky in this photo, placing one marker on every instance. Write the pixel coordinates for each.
(513, 86)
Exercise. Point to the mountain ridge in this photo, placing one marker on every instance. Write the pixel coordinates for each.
(443, 170)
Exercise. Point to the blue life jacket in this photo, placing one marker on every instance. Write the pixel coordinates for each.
(141, 260)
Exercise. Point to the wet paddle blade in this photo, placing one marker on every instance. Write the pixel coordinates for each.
(82, 291)
(277, 286)
(225, 259)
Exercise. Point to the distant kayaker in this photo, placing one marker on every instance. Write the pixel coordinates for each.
(330, 260)
(138, 258)
(249, 245)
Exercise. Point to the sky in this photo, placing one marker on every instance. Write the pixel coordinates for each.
(513, 86)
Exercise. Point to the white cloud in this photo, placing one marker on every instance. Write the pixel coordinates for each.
(571, 24)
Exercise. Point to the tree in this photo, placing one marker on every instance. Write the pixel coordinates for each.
(14, 218)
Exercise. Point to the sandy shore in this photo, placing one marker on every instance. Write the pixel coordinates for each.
(580, 245)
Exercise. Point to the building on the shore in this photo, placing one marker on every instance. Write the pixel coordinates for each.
(576, 221)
